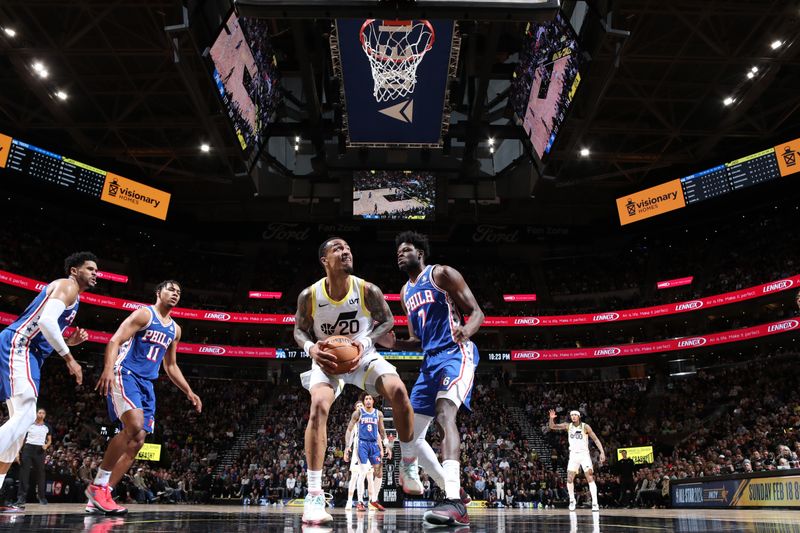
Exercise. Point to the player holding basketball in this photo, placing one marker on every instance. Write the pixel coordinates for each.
(370, 447)
(579, 434)
(132, 358)
(436, 298)
(343, 304)
(29, 340)
(356, 484)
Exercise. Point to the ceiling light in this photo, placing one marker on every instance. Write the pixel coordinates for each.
(750, 75)
(10, 32)
(753, 69)
(205, 148)
(42, 73)
(38, 66)
(297, 139)
(491, 141)
(491, 149)
(776, 44)
(296, 147)
(61, 95)
(728, 100)
(584, 152)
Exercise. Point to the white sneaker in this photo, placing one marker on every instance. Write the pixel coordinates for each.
(409, 478)
(595, 508)
(314, 510)
(572, 505)
(348, 505)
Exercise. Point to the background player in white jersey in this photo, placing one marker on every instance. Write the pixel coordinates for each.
(132, 359)
(29, 340)
(368, 422)
(356, 483)
(579, 435)
(342, 304)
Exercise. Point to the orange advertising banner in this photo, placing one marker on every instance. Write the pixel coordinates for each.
(5, 147)
(788, 155)
(650, 202)
(136, 196)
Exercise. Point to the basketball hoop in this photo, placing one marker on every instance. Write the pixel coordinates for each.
(395, 49)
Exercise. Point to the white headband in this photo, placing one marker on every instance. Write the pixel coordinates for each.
(574, 412)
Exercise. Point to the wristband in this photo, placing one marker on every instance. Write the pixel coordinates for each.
(386, 442)
(367, 343)
(307, 347)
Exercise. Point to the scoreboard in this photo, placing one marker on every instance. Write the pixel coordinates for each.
(767, 165)
(45, 166)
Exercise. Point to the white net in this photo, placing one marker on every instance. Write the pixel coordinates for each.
(395, 50)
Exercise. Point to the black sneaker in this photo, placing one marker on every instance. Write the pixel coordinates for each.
(448, 513)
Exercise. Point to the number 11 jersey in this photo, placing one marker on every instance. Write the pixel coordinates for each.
(143, 353)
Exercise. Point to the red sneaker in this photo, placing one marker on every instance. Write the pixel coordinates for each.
(465, 499)
(101, 498)
(377, 506)
(360, 507)
(448, 513)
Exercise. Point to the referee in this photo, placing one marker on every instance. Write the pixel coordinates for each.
(37, 441)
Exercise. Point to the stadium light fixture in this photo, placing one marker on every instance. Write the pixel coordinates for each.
(491, 149)
(754, 69)
(491, 141)
(728, 100)
(61, 95)
(40, 69)
(11, 32)
(297, 139)
(205, 148)
(585, 152)
(777, 43)
(750, 75)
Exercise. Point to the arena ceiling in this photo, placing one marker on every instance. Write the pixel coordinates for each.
(140, 99)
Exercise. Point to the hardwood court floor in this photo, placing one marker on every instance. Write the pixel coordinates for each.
(206, 519)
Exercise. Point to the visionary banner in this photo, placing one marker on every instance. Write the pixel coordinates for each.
(772, 491)
(670, 345)
(394, 77)
(650, 202)
(490, 321)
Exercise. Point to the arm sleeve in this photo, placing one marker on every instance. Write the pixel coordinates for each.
(49, 324)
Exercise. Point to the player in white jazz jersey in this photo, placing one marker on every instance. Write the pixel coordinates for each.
(343, 304)
(357, 477)
(579, 435)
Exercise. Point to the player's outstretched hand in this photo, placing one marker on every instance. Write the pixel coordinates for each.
(326, 360)
(389, 454)
(104, 383)
(552, 413)
(75, 370)
(78, 336)
(196, 402)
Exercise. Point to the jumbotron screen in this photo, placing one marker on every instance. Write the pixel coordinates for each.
(546, 80)
(245, 74)
(394, 195)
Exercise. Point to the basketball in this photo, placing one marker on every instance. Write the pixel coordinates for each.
(345, 350)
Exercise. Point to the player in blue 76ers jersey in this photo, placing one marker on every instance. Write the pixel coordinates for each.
(29, 340)
(436, 298)
(370, 446)
(133, 356)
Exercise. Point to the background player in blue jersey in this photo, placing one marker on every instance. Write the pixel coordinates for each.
(436, 298)
(26, 343)
(371, 437)
(133, 356)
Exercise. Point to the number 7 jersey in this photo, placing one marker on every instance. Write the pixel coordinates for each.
(143, 353)
(348, 316)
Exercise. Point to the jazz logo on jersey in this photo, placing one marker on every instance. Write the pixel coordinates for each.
(346, 324)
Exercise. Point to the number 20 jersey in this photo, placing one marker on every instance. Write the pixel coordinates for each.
(143, 353)
(348, 316)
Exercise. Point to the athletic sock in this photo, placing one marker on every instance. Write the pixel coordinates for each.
(102, 478)
(452, 479)
(315, 481)
(571, 490)
(593, 490)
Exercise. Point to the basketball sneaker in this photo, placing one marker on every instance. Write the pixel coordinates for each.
(595, 508)
(465, 498)
(11, 509)
(409, 478)
(91, 509)
(348, 505)
(314, 510)
(572, 504)
(361, 507)
(448, 513)
(377, 506)
(100, 496)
